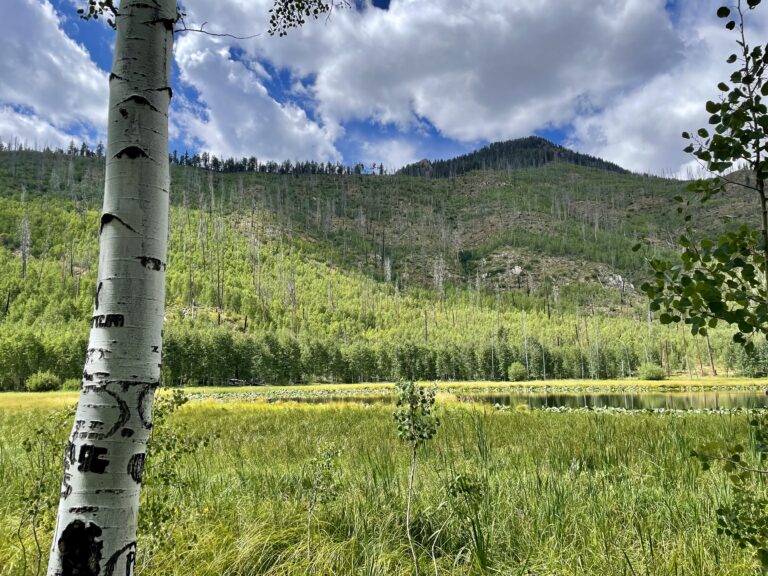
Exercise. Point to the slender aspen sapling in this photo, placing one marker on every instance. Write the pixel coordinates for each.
(416, 424)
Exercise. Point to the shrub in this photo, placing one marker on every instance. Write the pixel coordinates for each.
(43, 382)
(651, 372)
(517, 372)
(752, 363)
(71, 384)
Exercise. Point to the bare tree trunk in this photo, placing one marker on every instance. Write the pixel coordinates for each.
(25, 243)
(709, 354)
(525, 349)
(104, 458)
(409, 496)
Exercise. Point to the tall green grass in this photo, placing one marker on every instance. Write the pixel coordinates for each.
(512, 492)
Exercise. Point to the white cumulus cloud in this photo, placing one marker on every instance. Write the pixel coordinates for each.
(641, 130)
(621, 78)
(238, 116)
(474, 69)
(50, 86)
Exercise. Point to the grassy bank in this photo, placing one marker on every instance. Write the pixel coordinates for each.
(446, 389)
(516, 492)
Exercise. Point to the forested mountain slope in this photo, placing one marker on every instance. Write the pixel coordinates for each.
(295, 277)
(530, 152)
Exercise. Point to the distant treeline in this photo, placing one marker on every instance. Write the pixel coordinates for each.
(220, 356)
(217, 356)
(208, 161)
(513, 154)
(213, 163)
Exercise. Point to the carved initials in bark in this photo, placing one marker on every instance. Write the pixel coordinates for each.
(90, 459)
(127, 554)
(104, 461)
(108, 321)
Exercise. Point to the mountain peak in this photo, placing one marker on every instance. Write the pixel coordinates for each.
(528, 152)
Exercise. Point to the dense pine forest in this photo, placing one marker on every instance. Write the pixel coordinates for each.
(521, 270)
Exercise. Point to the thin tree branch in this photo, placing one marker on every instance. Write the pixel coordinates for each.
(739, 465)
(201, 30)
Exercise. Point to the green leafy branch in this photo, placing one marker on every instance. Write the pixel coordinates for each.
(745, 518)
(287, 14)
(724, 280)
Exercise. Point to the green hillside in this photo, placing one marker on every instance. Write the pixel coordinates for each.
(345, 277)
(528, 152)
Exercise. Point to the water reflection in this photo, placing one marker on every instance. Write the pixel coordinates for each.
(689, 400)
(629, 401)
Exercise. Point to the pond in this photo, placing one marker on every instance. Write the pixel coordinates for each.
(709, 400)
(575, 398)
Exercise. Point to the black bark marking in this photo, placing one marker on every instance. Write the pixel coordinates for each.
(132, 152)
(87, 376)
(83, 509)
(170, 91)
(123, 112)
(151, 263)
(90, 459)
(156, 349)
(136, 466)
(106, 218)
(110, 491)
(129, 550)
(125, 414)
(66, 487)
(92, 352)
(114, 76)
(69, 455)
(69, 460)
(126, 433)
(80, 549)
(139, 100)
(145, 405)
(98, 291)
(108, 321)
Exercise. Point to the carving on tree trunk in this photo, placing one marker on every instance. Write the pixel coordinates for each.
(104, 457)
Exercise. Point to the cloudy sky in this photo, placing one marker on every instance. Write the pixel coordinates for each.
(392, 81)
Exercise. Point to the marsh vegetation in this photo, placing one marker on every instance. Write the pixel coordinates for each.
(512, 491)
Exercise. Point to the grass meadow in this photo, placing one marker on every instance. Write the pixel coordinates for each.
(251, 487)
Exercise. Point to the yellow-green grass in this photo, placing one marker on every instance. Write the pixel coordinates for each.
(673, 382)
(59, 399)
(567, 494)
(37, 400)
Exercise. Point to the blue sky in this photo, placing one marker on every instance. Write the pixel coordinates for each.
(393, 81)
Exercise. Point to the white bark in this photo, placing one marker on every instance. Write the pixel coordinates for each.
(104, 458)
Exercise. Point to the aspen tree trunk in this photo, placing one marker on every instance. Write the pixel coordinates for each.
(104, 458)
